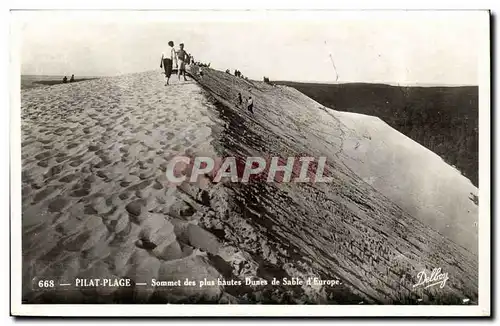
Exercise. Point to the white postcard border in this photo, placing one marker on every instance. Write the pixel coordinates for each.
(482, 309)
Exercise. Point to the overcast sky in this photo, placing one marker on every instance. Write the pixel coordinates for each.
(369, 47)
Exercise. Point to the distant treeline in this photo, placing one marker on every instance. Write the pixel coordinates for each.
(443, 119)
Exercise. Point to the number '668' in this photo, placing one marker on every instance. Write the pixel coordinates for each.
(46, 284)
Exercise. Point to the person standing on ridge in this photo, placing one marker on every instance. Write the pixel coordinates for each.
(65, 79)
(181, 58)
(167, 60)
(72, 79)
(250, 104)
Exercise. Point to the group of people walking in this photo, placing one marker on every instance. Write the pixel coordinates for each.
(178, 57)
(237, 73)
(249, 102)
(181, 58)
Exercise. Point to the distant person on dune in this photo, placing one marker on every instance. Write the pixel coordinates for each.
(65, 79)
(72, 79)
(182, 58)
(167, 59)
(250, 104)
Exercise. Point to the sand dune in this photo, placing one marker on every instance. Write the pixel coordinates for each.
(377, 215)
(96, 202)
(94, 190)
(409, 174)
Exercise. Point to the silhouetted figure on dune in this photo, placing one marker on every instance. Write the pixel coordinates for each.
(250, 104)
(65, 79)
(72, 79)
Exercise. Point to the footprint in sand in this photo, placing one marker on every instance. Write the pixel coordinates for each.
(157, 185)
(43, 155)
(43, 194)
(68, 178)
(124, 195)
(80, 193)
(59, 131)
(89, 210)
(102, 175)
(53, 171)
(60, 157)
(57, 205)
(125, 183)
(103, 163)
(43, 164)
(76, 163)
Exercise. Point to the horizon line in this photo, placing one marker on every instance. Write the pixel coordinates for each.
(396, 84)
(414, 84)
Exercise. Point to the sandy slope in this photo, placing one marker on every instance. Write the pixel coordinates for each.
(412, 176)
(94, 190)
(96, 204)
(377, 221)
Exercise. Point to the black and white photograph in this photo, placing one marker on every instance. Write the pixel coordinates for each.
(220, 162)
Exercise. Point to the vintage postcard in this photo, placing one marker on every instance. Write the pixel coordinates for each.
(250, 163)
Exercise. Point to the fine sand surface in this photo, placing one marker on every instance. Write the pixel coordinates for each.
(96, 202)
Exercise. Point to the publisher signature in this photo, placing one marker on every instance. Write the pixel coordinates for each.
(435, 278)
